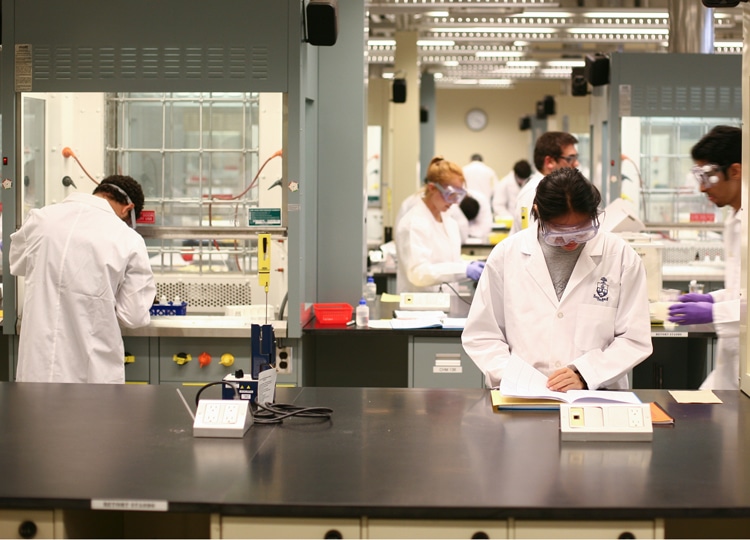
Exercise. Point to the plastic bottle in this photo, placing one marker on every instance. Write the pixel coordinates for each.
(362, 316)
(371, 295)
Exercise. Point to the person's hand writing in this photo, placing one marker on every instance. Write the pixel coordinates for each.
(563, 380)
(474, 270)
(691, 313)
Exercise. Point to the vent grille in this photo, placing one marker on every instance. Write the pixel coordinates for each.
(87, 63)
(686, 101)
(205, 296)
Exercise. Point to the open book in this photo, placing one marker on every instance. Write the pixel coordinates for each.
(525, 387)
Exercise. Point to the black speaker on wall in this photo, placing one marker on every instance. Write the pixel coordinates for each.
(398, 91)
(540, 114)
(578, 85)
(596, 70)
(424, 115)
(524, 123)
(550, 107)
(322, 22)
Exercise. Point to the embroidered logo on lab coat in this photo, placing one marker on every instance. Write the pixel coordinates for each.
(602, 290)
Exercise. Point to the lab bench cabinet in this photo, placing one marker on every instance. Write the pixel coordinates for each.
(442, 363)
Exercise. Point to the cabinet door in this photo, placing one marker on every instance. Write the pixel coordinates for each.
(442, 363)
(27, 524)
(589, 529)
(398, 528)
(247, 527)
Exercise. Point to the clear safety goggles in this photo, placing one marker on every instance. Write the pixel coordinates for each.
(127, 198)
(706, 175)
(562, 236)
(450, 194)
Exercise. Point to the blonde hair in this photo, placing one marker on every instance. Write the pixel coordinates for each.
(441, 171)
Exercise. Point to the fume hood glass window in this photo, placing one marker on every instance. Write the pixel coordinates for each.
(196, 156)
(669, 191)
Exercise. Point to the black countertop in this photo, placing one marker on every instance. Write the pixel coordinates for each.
(398, 453)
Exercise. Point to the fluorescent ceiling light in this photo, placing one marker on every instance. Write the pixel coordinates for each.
(494, 30)
(450, 63)
(465, 81)
(621, 31)
(437, 13)
(435, 43)
(543, 14)
(626, 15)
(437, 75)
(381, 42)
(498, 54)
(496, 82)
(387, 75)
(565, 63)
(520, 43)
(729, 44)
(522, 63)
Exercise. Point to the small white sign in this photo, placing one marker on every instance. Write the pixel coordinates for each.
(447, 369)
(134, 505)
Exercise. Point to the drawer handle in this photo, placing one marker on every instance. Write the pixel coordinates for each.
(480, 535)
(333, 533)
(27, 529)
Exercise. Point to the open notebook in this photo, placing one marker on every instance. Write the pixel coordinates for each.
(525, 387)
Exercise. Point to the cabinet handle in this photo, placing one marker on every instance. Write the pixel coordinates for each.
(333, 533)
(480, 535)
(27, 529)
(626, 534)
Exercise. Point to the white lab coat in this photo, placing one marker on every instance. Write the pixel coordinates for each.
(726, 312)
(480, 177)
(505, 195)
(601, 327)
(84, 270)
(429, 252)
(479, 228)
(525, 198)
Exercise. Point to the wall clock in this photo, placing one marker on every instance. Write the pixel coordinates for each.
(476, 119)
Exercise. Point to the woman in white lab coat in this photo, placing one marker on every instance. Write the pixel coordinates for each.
(562, 296)
(85, 270)
(428, 240)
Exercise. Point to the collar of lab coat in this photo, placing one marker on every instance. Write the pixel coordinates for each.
(92, 200)
(536, 265)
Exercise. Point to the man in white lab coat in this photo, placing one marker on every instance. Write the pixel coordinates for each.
(561, 295)
(85, 269)
(553, 150)
(718, 169)
(480, 176)
(506, 191)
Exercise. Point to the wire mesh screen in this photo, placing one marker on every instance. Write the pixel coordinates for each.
(204, 295)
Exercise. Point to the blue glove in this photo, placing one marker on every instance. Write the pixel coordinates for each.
(691, 312)
(696, 297)
(474, 270)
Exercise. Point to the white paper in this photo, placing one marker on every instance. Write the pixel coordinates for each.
(694, 396)
(402, 314)
(521, 379)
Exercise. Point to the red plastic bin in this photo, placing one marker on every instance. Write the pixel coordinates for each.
(333, 313)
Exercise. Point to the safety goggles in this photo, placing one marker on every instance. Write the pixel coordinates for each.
(562, 236)
(706, 174)
(452, 195)
(572, 158)
(127, 198)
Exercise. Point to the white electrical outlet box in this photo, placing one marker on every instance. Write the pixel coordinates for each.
(222, 418)
(429, 301)
(606, 422)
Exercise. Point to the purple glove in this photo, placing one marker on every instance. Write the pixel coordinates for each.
(691, 312)
(474, 270)
(696, 297)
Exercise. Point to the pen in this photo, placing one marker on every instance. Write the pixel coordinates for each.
(350, 323)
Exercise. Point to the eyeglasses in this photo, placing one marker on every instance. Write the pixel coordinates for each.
(572, 158)
(706, 174)
(452, 195)
(562, 236)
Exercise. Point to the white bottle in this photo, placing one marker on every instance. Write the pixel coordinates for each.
(362, 314)
(371, 295)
